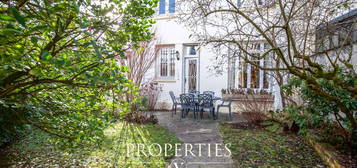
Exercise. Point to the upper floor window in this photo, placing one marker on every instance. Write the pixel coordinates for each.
(167, 6)
(166, 62)
(171, 6)
(239, 3)
(162, 5)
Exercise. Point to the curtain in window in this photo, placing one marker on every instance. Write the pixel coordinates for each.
(162, 7)
(171, 6)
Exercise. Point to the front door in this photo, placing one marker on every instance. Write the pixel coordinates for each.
(191, 74)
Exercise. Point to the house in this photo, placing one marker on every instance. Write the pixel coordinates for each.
(338, 39)
(184, 64)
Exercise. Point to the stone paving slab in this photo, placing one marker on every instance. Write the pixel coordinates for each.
(193, 132)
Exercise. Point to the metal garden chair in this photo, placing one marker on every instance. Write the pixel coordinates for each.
(206, 102)
(175, 102)
(225, 103)
(188, 103)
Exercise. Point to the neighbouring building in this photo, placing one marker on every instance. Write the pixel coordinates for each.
(338, 39)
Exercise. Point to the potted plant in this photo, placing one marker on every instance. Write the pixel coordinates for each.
(246, 94)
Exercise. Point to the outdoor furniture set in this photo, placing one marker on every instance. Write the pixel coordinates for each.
(197, 103)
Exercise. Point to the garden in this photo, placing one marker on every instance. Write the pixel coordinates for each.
(73, 94)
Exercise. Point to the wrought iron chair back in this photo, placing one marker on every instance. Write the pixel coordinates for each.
(188, 103)
(209, 92)
(187, 99)
(194, 92)
(205, 100)
(175, 102)
(172, 95)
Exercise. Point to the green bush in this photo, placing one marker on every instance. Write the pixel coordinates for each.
(318, 109)
(59, 68)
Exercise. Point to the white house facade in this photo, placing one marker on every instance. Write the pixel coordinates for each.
(184, 64)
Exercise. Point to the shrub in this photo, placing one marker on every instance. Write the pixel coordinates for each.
(317, 109)
(255, 109)
(150, 92)
(141, 118)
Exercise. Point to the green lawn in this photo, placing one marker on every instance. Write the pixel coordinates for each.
(262, 148)
(35, 150)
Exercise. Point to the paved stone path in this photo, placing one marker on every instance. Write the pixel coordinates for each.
(192, 132)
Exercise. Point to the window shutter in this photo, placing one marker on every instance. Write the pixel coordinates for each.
(162, 7)
(172, 6)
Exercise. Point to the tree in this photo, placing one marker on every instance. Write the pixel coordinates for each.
(140, 60)
(289, 29)
(58, 70)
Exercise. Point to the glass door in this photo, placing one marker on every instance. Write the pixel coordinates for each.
(191, 77)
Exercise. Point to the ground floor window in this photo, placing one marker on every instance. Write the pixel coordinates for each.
(166, 62)
(247, 75)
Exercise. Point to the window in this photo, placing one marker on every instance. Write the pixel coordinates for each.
(192, 50)
(266, 46)
(167, 6)
(265, 74)
(260, 2)
(242, 78)
(162, 6)
(172, 6)
(239, 3)
(172, 61)
(255, 46)
(167, 62)
(254, 75)
(248, 75)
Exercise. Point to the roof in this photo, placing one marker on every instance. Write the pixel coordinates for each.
(344, 17)
(352, 15)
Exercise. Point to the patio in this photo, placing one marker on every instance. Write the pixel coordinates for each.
(194, 131)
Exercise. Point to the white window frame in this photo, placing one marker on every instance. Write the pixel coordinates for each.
(168, 55)
(167, 8)
(238, 69)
